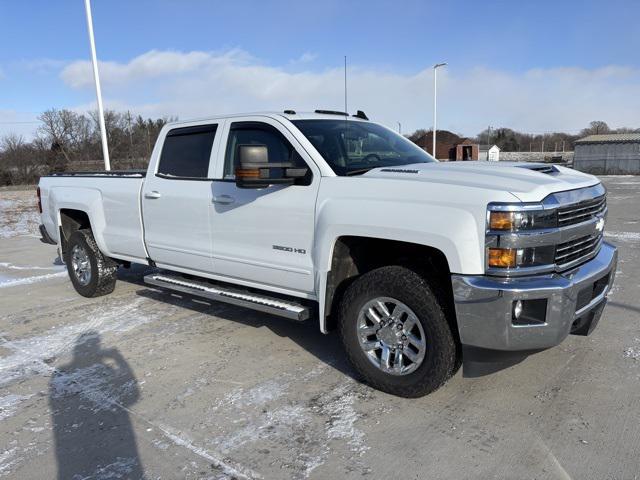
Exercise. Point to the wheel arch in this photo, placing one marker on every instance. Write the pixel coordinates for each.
(72, 220)
(354, 255)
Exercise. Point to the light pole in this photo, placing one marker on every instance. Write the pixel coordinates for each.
(435, 87)
(96, 77)
(399, 128)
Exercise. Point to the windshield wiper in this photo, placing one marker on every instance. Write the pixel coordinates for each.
(359, 171)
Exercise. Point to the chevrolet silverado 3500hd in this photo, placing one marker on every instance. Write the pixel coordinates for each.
(421, 265)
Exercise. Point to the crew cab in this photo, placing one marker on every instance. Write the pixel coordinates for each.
(420, 265)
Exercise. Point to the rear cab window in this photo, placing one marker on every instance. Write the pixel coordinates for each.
(186, 152)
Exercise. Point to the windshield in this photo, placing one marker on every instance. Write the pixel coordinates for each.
(352, 148)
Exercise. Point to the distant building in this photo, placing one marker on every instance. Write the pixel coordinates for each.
(449, 146)
(490, 153)
(612, 154)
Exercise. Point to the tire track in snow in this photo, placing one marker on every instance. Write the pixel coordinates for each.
(31, 280)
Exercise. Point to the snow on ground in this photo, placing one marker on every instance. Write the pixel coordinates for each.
(94, 383)
(28, 355)
(18, 214)
(9, 404)
(633, 352)
(121, 468)
(625, 236)
(8, 458)
(6, 282)
(11, 266)
(308, 429)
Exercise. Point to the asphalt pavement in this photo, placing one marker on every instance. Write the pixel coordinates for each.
(143, 384)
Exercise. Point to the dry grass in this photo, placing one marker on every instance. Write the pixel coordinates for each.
(18, 213)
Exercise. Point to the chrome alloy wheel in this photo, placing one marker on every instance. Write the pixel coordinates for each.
(391, 336)
(81, 265)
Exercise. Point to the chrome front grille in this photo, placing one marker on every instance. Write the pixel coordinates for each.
(577, 250)
(582, 211)
(575, 238)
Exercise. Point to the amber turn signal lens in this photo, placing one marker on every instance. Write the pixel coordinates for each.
(502, 257)
(501, 221)
(247, 173)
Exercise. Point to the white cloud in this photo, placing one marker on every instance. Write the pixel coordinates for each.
(153, 64)
(191, 84)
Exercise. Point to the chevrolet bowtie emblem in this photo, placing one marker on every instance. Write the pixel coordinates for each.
(600, 225)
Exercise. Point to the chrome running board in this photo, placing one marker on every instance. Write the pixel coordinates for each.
(263, 303)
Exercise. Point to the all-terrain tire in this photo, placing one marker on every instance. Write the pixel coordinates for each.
(410, 288)
(103, 270)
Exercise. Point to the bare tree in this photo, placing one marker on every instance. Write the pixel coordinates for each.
(18, 159)
(627, 130)
(418, 134)
(595, 128)
(69, 133)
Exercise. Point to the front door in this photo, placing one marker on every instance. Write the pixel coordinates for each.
(265, 235)
(176, 199)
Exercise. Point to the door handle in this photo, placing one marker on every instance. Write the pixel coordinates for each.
(223, 200)
(152, 195)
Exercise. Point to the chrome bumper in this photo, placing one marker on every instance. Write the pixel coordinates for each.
(484, 305)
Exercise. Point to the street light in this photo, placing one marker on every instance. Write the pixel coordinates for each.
(96, 77)
(435, 83)
(399, 128)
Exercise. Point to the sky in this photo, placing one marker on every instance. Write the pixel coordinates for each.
(533, 66)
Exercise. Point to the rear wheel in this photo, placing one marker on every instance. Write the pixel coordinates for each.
(91, 273)
(395, 332)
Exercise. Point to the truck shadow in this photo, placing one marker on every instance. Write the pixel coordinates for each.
(326, 348)
(307, 335)
(624, 306)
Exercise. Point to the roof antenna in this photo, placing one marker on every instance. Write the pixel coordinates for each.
(345, 85)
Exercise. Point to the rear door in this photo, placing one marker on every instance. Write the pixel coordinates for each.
(176, 199)
(264, 235)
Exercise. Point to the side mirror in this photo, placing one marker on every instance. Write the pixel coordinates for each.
(253, 154)
(254, 170)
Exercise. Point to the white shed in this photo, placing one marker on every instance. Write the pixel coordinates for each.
(490, 153)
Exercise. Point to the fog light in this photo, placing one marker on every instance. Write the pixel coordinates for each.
(517, 309)
(529, 312)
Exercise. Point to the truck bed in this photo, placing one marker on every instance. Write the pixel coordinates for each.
(110, 199)
(102, 173)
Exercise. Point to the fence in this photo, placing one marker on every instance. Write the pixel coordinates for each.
(546, 157)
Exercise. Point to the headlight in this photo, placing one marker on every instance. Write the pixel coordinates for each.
(524, 220)
(515, 221)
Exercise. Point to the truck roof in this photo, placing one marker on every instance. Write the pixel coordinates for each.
(288, 114)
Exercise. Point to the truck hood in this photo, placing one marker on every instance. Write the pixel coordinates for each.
(529, 182)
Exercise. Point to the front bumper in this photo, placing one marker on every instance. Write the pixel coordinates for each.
(574, 302)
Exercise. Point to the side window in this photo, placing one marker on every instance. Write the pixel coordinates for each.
(186, 152)
(278, 147)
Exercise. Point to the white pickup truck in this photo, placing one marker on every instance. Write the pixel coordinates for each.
(420, 265)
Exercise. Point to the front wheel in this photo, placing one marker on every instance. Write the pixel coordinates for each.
(91, 273)
(395, 332)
